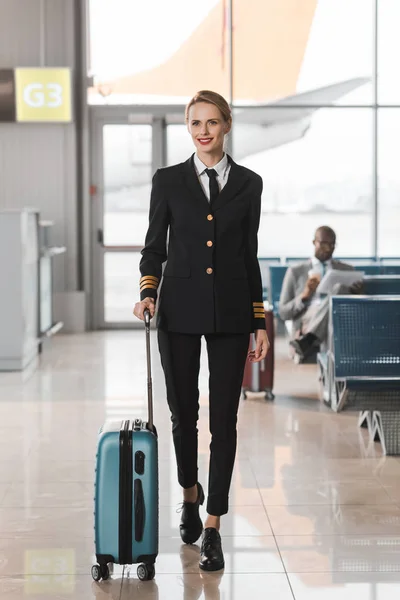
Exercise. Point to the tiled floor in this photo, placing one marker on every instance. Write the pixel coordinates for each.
(315, 513)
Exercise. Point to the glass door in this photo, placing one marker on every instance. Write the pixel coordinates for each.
(127, 161)
(127, 148)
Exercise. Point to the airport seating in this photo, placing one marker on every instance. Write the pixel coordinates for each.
(276, 276)
(379, 269)
(363, 363)
(390, 270)
(273, 274)
(373, 285)
(369, 269)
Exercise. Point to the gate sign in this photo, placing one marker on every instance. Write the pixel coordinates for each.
(43, 95)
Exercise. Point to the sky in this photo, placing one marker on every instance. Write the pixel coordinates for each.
(130, 36)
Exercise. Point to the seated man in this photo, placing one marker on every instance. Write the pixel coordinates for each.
(299, 301)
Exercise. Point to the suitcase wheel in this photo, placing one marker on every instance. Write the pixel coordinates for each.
(269, 395)
(96, 574)
(146, 572)
(100, 572)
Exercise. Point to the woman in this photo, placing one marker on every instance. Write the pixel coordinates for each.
(212, 286)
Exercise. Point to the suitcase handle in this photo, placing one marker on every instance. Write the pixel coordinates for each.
(150, 421)
(140, 514)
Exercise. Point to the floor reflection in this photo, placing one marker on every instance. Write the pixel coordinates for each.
(311, 504)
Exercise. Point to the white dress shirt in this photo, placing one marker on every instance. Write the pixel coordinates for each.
(318, 266)
(222, 168)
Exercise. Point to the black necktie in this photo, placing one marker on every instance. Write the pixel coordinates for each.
(214, 187)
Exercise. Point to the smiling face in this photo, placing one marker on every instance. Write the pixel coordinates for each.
(208, 128)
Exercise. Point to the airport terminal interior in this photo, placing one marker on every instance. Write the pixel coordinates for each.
(92, 103)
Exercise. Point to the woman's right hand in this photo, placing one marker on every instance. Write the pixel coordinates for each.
(140, 307)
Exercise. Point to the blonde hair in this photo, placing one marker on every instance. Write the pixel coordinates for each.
(210, 98)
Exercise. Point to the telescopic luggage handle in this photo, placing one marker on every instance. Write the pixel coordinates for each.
(150, 421)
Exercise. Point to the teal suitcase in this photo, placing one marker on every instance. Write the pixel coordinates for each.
(126, 492)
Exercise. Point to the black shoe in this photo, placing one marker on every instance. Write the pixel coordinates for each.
(212, 557)
(304, 345)
(191, 525)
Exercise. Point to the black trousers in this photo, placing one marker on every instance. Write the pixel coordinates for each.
(180, 358)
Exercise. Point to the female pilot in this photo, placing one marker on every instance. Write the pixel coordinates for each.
(209, 207)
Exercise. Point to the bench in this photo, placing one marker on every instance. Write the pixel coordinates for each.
(364, 362)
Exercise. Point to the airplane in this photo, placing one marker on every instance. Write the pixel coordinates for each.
(273, 54)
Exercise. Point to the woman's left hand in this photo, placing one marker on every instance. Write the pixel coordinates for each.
(262, 346)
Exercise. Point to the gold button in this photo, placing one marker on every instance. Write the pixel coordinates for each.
(209, 271)
(210, 217)
(209, 243)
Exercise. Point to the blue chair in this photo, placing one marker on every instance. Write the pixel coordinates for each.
(373, 285)
(369, 269)
(366, 338)
(381, 285)
(364, 361)
(276, 277)
(390, 269)
(379, 269)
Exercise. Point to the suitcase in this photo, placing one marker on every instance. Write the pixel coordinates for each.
(259, 377)
(126, 492)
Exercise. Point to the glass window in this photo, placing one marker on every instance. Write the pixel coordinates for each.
(179, 144)
(127, 160)
(317, 170)
(289, 48)
(389, 181)
(388, 51)
(157, 52)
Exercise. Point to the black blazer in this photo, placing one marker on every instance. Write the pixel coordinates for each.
(211, 282)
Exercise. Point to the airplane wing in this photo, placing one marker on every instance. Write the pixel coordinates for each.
(285, 120)
(272, 112)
